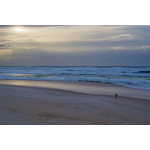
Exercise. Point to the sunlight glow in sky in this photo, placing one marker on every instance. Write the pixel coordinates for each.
(19, 29)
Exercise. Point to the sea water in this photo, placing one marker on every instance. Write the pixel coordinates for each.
(135, 77)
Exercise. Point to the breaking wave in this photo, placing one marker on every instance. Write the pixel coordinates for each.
(136, 77)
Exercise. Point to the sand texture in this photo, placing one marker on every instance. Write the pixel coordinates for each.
(45, 106)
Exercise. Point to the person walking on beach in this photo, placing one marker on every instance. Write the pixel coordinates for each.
(116, 95)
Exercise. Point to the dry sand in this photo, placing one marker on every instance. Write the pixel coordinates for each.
(20, 105)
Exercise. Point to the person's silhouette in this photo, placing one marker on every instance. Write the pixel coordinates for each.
(115, 95)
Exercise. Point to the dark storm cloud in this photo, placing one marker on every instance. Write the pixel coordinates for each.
(124, 57)
(107, 58)
(80, 58)
(5, 26)
(5, 47)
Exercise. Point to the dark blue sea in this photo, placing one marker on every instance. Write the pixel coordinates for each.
(135, 77)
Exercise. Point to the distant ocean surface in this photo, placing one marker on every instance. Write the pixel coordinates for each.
(135, 77)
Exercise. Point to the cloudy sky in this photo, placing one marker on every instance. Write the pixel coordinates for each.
(74, 45)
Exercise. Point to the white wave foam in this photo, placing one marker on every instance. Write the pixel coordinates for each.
(127, 76)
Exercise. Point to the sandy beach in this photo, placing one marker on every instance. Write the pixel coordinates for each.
(71, 103)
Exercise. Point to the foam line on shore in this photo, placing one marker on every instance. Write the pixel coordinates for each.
(83, 87)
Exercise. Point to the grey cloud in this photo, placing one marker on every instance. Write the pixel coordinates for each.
(4, 34)
(6, 26)
(5, 47)
(81, 45)
(80, 58)
(44, 25)
(128, 45)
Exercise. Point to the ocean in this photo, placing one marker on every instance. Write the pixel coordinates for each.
(134, 77)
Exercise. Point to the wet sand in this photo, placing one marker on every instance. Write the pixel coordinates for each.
(24, 104)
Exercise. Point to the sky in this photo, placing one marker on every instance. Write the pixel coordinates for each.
(74, 45)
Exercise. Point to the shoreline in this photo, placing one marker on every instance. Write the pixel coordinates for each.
(83, 87)
(88, 81)
(70, 91)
